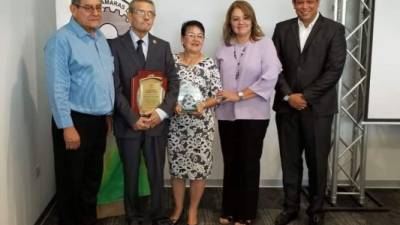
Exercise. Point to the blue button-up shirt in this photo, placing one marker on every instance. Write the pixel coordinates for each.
(79, 68)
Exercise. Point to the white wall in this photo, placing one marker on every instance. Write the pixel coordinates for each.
(25, 118)
(383, 162)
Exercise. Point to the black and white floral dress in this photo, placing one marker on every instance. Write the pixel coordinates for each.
(190, 138)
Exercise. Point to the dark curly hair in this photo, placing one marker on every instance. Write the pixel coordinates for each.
(191, 23)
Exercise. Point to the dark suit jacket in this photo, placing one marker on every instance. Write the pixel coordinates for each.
(313, 72)
(158, 58)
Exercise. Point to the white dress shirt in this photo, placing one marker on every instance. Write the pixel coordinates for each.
(145, 44)
(304, 31)
(145, 47)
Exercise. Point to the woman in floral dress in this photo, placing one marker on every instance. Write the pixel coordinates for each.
(191, 133)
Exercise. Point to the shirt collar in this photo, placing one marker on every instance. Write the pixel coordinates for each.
(311, 25)
(136, 38)
(80, 31)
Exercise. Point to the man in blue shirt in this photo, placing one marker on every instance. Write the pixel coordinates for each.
(79, 68)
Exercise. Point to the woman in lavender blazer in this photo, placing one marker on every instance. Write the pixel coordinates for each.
(249, 68)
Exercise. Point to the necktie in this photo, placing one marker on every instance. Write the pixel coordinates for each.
(139, 51)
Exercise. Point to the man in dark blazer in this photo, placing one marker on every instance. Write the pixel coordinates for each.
(139, 50)
(312, 50)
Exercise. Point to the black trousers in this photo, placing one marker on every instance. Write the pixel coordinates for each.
(79, 172)
(153, 147)
(298, 132)
(242, 144)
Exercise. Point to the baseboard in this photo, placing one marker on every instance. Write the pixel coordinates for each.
(383, 184)
(47, 211)
(275, 183)
(218, 183)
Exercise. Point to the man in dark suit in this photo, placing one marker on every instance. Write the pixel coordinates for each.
(312, 50)
(139, 50)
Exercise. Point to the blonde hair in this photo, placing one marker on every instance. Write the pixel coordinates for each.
(256, 32)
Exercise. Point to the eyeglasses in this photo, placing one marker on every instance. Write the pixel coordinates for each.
(90, 9)
(193, 35)
(143, 13)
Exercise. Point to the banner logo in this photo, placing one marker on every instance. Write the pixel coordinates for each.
(115, 18)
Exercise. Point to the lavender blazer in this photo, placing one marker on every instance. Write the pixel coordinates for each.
(259, 69)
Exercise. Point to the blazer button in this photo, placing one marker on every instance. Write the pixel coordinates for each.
(299, 68)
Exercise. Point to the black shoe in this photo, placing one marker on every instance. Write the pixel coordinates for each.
(163, 221)
(88, 221)
(134, 222)
(285, 217)
(176, 221)
(316, 219)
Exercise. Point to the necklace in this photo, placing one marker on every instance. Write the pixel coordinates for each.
(238, 58)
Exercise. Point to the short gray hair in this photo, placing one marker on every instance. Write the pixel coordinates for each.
(131, 8)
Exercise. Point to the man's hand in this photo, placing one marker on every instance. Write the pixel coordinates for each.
(297, 101)
(109, 124)
(71, 138)
(141, 124)
(154, 118)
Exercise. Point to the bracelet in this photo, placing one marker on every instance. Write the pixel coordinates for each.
(240, 95)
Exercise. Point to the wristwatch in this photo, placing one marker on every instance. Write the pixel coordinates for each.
(241, 95)
(286, 98)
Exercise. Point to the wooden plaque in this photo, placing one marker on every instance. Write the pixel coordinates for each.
(148, 90)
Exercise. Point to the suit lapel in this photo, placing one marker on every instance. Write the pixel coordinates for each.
(314, 32)
(295, 30)
(151, 51)
(130, 48)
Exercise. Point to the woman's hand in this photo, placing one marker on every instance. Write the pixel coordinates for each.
(228, 96)
(199, 109)
(178, 109)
